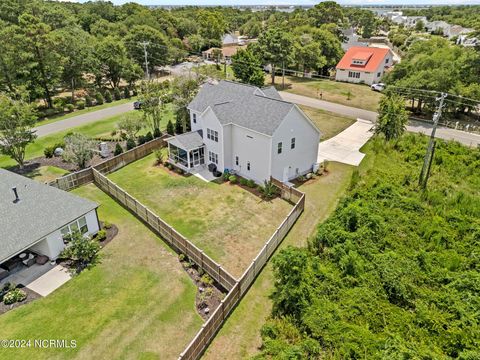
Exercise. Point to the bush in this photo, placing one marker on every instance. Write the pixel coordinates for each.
(117, 95)
(141, 140)
(80, 105)
(232, 179)
(99, 98)
(101, 235)
(148, 137)
(108, 96)
(49, 151)
(107, 225)
(225, 175)
(126, 92)
(13, 296)
(251, 184)
(118, 150)
(83, 252)
(130, 144)
(70, 107)
(157, 133)
(181, 257)
(170, 128)
(269, 190)
(243, 181)
(88, 101)
(159, 156)
(206, 280)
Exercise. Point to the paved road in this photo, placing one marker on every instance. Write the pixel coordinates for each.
(463, 137)
(82, 119)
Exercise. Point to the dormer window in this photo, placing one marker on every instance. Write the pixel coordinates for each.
(194, 118)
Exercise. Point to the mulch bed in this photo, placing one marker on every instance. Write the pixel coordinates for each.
(208, 297)
(111, 233)
(31, 296)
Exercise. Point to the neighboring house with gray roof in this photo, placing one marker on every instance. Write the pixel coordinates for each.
(35, 217)
(247, 130)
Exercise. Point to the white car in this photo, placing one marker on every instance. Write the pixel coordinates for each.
(378, 87)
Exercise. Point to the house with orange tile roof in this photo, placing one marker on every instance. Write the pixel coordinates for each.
(362, 64)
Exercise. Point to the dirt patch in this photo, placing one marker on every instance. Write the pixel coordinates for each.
(209, 296)
(31, 296)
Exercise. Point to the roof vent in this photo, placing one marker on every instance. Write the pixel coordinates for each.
(17, 199)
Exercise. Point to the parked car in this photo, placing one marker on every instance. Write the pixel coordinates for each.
(378, 87)
(137, 105)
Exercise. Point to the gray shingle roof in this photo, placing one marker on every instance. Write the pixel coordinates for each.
(42, 209)
(261, 110)
(188, 141)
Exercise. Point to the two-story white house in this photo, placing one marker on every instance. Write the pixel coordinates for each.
(362, 64)
(247, 130)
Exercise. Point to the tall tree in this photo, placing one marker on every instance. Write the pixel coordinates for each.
(327, 12)
(17, 119)
(392, 117)
(307, 54)
(154, 96)
(248, 68)
(46, 68)
(184, 90)
(111, 60)
(275, 45)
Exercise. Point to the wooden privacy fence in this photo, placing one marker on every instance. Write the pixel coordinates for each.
(288, 192)
(176, 240)
(206, 334)
(82, 177)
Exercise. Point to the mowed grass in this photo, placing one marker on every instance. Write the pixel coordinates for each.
(46, 174)
(228, 223)
(355, 95)
(52, 119)
(138, 303)
(101, 128)
(240, 337)
(330, 124)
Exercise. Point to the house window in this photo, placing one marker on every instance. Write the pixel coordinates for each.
(387, 60)
(354, 74)
(212, 135)
(379, 74)
(213, 157)
(236, 160)
(82, 223)
(77, 225)
(292, 144)
(194, 118)
(279, 148)
(248, 165)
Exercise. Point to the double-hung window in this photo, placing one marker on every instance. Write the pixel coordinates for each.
(194, 117)
(292, 144)
(212, 157)
(212, 135)
(77, 225)
(236, 160)
(248, 165)
(279, 148)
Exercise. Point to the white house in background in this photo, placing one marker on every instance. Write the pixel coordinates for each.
(467, 41)
(456, 30)
(35, 217)
(437, 26)
(362, 64)
(230, 39)
(247, 130)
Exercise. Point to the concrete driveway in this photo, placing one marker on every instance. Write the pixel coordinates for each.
(345, 147)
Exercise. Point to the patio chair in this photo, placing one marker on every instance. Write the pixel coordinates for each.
(29, 261)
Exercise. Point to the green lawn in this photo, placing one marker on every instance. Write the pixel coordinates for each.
(138, 303)
(361, 96)
(101, 128)
(52, 119)
(46, 174)
(330, 124)
(211, 70)
(228, 223)
(240, 338)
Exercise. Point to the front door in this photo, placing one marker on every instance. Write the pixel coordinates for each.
(197, 157)
(286, 173)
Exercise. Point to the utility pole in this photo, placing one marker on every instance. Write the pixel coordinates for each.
(145, 44)
(427, 163)
(283, 75)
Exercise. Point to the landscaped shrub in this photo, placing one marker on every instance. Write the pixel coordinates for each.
(13, 296)
(49, 112)
(170, 128)
(181, 257)
(251, 184)
(107, 225)
(126, 92)
(118, 150)
(99, 98)
(80, 105)
(243, 181)
(101, 235)
(130, 144)
(232, 179)
(117, 95)
(141, 140)
(159, 156)
(82, 252)
(148, 137)
(108, 96)
(225, 175)
(269, 190)
(157, 133)
(49, 151)
(70, 107)
(88, 101)
(206, 280)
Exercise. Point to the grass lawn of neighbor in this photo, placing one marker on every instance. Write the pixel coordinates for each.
(101, 128)
(240, 337)
(46, 174)
(361, 96)
(229, 223)
(138, 303)
(330, 124)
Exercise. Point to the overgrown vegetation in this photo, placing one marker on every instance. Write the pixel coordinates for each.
(394, 272)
